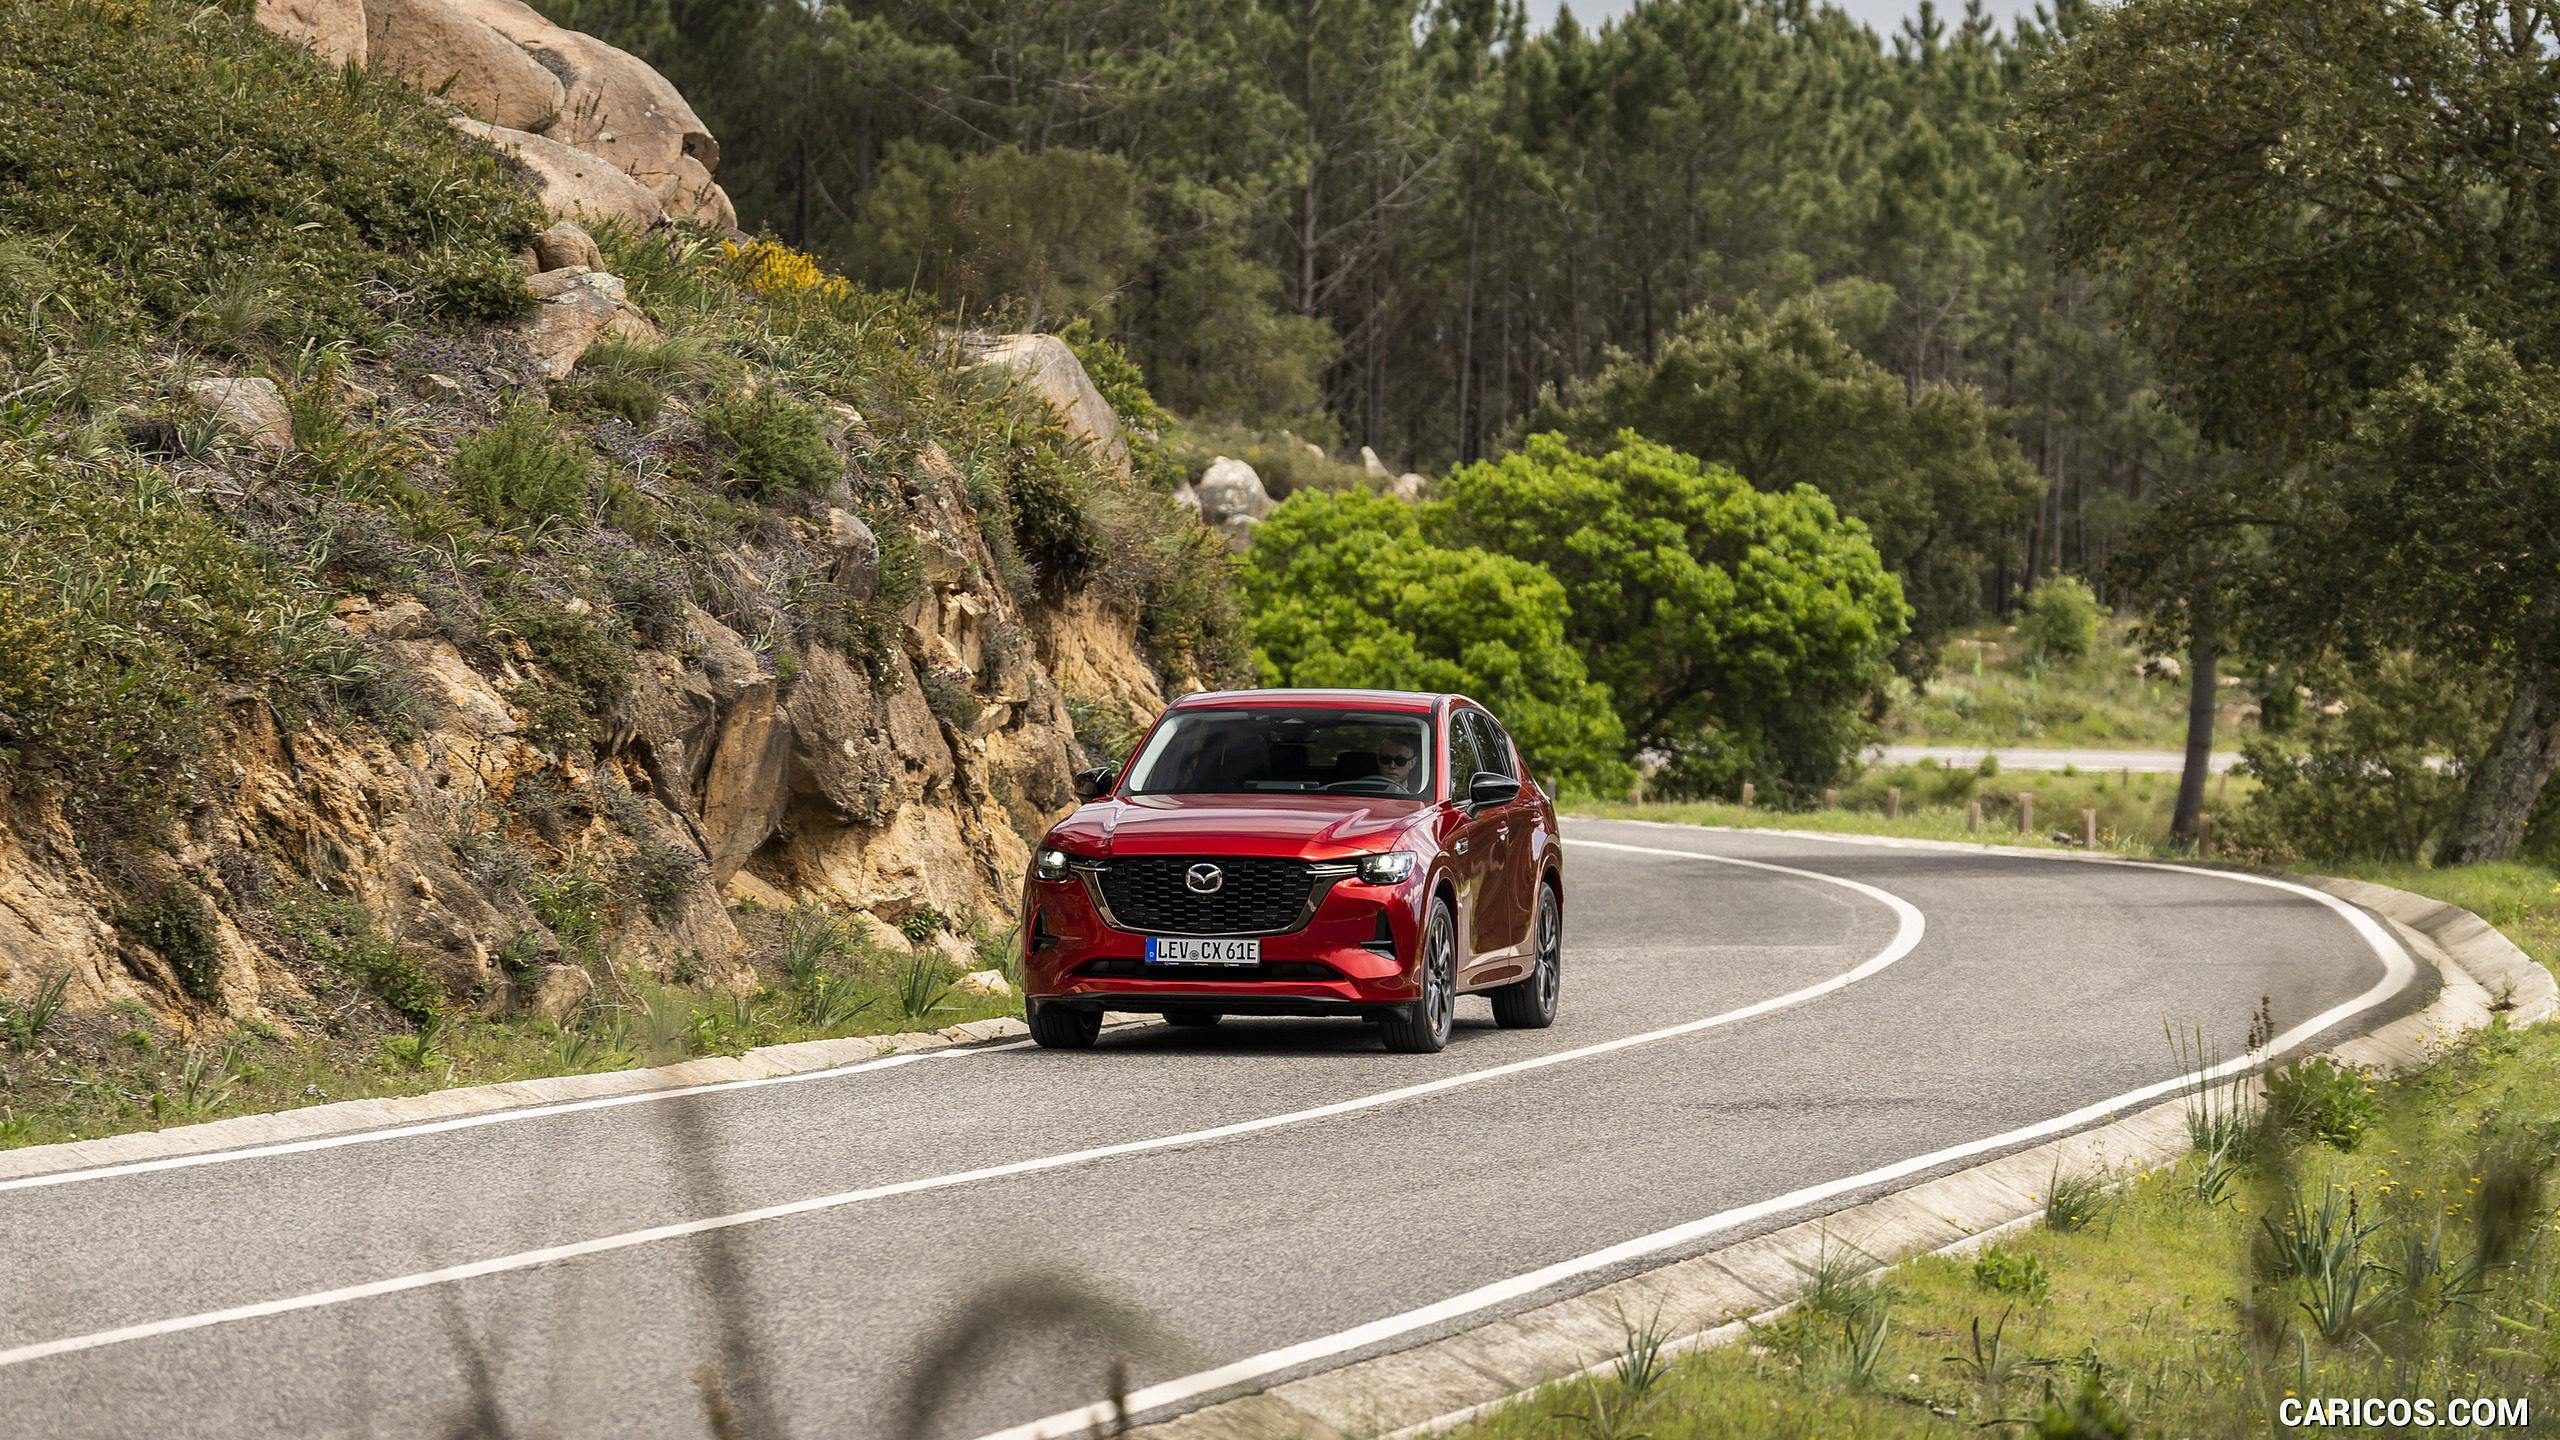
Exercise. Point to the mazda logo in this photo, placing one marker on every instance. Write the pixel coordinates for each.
(1203, 879)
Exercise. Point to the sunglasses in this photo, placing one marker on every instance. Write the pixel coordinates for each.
(1385, 758)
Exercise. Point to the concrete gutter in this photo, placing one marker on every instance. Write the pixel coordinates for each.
(348, 1116)
(1713, 1299)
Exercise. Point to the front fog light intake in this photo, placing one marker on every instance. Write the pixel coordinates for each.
(1389, 868)
(1052, 865)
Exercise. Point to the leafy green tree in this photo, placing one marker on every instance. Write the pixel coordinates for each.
(2302, 202)
(1057, 231)
(1779, 398)
(1743, 634)
(1344, 590)
(2061, 620)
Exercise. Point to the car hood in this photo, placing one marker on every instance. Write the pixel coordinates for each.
(1304, 827)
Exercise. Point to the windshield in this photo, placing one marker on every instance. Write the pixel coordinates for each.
(1284, 751)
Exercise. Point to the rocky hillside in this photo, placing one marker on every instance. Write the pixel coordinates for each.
(489, 607)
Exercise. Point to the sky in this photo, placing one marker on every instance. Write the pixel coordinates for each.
(1883, 16)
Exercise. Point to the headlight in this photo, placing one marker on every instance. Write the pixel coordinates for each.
(1387, 868)
(1051, 865)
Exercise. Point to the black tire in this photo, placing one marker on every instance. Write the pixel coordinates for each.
(1530, 1004)
(1192, 1016)
(1064, 1027)
(1424, 1029)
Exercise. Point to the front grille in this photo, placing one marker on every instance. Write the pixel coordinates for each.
(1255, 897)
(1267, 970)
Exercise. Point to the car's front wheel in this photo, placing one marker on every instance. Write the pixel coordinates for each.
(1064, 1027)
(1530, 1003)
(1424, 1028)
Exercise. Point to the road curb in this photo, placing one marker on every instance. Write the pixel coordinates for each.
(350, 1116)
(1714, 1298)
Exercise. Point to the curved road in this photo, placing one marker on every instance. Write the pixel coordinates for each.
(509, 1271)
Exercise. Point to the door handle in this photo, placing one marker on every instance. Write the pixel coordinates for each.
(1460, 847)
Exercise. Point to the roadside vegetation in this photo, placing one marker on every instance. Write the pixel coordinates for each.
(1999, 684)
(2353, 1238)
(1930, 801)
(819, 975)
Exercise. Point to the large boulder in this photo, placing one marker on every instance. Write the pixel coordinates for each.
(619, 109)
(335, 29)
(252, 408)
(427, 42)
(1228, 489)
(508, 67)
(574, 184)
(578, 307)
(1053, 372)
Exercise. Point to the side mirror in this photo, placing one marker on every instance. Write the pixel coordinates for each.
(1491, 789)
(1094, 782)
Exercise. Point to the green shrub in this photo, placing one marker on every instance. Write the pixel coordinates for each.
(657, 875)
(2061, 618)
(122, 609)
(520, 471)
(2319, 1099)
(187, 168)
(946, 694)
(633, 400)
(177, 923)
(922, 925)
(591, 667)
(2008, 1273)
(2072, 1201)
(2358, 785)
(1049, 521)
(574, 903)
(774, 442)
(340, 934)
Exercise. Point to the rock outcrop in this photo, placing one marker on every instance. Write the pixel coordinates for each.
(1052, 371)
(605, 136)
(1232, 500)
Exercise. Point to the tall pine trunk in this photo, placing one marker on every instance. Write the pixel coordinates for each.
(2202, 657)
(2489, 823)
(2204, 652)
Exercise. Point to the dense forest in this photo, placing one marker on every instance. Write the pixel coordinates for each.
(1399, 224)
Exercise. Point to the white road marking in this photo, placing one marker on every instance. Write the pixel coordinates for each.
(1909, 927)
(467, 1122)
(2397, 967)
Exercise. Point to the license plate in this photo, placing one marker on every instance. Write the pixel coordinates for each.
(1204, 952)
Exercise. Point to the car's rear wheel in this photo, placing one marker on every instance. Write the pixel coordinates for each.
(1424, 1028)
(1064, 1027)
(1530, 1003)
(1192, 1015)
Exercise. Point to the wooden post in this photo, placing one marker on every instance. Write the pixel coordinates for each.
(2204, 832)
(1746, 794)
(1830, 799)
(2026, 812)
(2127, 781)
(2222, 786)
(2089, 828)
(1973, 818)
(1893, 802)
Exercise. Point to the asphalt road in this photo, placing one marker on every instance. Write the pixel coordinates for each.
(2036, 987)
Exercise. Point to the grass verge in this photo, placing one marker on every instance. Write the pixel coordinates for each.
(2366, 1238)
(109, 1072)
(1934, 802)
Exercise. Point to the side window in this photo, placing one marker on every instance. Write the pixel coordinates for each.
(1463, 760)
(1493, 747)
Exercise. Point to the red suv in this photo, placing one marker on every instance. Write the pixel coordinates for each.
(1368, 853)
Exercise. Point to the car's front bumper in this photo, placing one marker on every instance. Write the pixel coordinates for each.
(1352, 957)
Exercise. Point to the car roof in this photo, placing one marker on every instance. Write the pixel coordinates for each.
(1415, 701)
